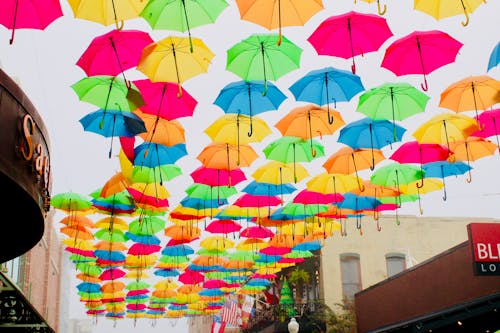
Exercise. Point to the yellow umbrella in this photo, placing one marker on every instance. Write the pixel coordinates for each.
(139, 273)
(79, 244)
(112, 222)
(197, 212)
(107, 12)
(274, 172)
(379, 7)
(251, 244)
(166, 284)
(171, 60)
(143, 261)
(440, 9)
(238, 212)
(277, 14)
(216, 243)
(126, 166)
(430, 185)
(327, 183)
(446, 127)
(474, 93)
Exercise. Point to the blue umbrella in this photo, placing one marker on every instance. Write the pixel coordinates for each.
(307, 246)
(152, 154)
(150, 240)
(211, 292)
(327, 85)
(246, 97)
(114, 256)
(177, 250)
(358, 202)
(369, 133)
(443, 169)
(494, 57)
(89, 287)
(197, 203)
(166, 272)
(259, 188)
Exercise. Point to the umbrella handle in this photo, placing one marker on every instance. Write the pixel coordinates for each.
(330, 118)
(421, 184)
(379, 227)
(179, 90)
(469, 177)
(119, 24)
(379, 8)
(250, 132)
(424, 85)
(11, 40)
(464, 24)
(353, 68)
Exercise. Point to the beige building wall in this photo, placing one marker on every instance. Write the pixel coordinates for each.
(419, 238)
(203, 324)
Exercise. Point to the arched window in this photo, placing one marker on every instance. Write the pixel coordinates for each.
(350, 270)
(395, 262)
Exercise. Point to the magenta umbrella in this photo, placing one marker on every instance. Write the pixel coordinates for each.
(112, 274)
(349, 35)
(310, 197)
(191, 277)
(217, 177)
(214, 284)
(160, 99)
(256, 232)
(489, 123)
(421, 52)
(275, 251)
(223, 227)
(143, 249)
(28, 14)
(114, 52)
(250, 200)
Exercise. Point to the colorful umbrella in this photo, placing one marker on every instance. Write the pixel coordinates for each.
(113, 52)
(270, 189)
(472, 149)
(474, 93)
(392, 101)
(152, 154)
(171, 60)
(258, 57)
(143, 174)
(223, 227)
(327, 85)
(443, 169)
(70, 202)
(421, 52)
(379, 7)
(160, 130)
(24, 14)
(278, 14)
(226, 156)
(488, 120)
(494, 58)
(350, 34)
(347, 160)
(182, 15)
(333, 183)
(246, 97)
(107, 12)
(279, 173)
(442, 9)
(217, 177)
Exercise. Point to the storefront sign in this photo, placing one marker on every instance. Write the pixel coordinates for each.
(485, 244)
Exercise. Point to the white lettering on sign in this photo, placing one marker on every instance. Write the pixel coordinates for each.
(486, 251)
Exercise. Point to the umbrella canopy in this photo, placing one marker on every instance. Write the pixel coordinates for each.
(494, 58)
(278, 14)
(258, 57)
(160, 130)
(172, 60)
(421, 52)
(472, 149)
(443, 169)
(350, 34)
(333, 183)
(152, 154)
(474, 93)
(279, 173)
(226, 156)
(347, 160)
(217, 177)
(440, 9)
(26, 14)
(488, 121)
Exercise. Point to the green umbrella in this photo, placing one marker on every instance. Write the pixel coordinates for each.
(243, 255)
(182, 15)
(210, 252)
(89, 269)
(174, 259)
(146, 226)
(299, 209)
(392, 101)
(298, 254)
(70, 201)
(137, 285)
(158, 174)
(206, 192)
(259, 57)
(113, 235)
(108, 93)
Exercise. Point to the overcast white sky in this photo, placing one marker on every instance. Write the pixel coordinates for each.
(44, 64)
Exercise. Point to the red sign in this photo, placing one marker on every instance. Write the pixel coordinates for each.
(485, 243)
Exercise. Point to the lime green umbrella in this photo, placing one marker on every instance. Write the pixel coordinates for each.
(113, 235)
(108, 93)
(89, 269)
(182, 15)
(137, 285)
(158, 174)
(70, 201)
(146, 225)
(392, 101)
(174, 259)
(259, 57)
(206, 192)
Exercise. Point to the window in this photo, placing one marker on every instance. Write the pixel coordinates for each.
(351, 274)
(395, 262)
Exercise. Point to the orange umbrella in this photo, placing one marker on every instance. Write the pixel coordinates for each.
(189, 289)
(111, 246)
(278, 14)
(160, 130)
(112, 286)
(77, 220)
(88, 278)
(182, 232)
(473, 93)
(77, 232)
(310, 121)
(207, 260)
(472, 149)
(117, 183)
(226, 156)
(251, 244)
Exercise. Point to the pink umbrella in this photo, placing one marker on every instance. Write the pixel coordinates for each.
(217, 177)
(223, 227)
(275, 251)
(256, 232)
(489, 122)
(191, 277)
(143, 249)
(309, 197)
(28, 14)
(112, 274)
(421, 52)
(160, 99)
(290, 260)
(136, 307)
(267, 276)
(250, 200)
(214, 284)
(349, 35)
(114, 52)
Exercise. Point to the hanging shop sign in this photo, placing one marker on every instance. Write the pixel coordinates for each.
(485, 244)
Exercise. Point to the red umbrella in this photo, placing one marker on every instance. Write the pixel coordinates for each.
(143, 249)
(223, 227)
(275, 250)
(310, 197)
(256, 232)
(191, 277)
(349, 35)
(29, 14)
(217, 177)
(421, 52)
(114, 52)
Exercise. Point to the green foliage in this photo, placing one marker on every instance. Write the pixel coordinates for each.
(343, 320)
(299, 275)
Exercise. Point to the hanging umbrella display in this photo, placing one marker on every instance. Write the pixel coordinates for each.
(226, 156)
(444, 9)
(421, 52)
(443, 127)
(171, 60)
(327, 85)
(443, 169)
(474, 93)
(347, 160)
(280, 173)
(182, 15)
(392, 101)
(158, 174)
(70, 202)
(246, 97)
(223, 227)
(472, 149)
(310, 121)
(217, 177)
(107, 12)
(430, 185)
(333, 183)
(269, 189)
(152, 154)
(113, 52)
(160, 130)
(494, 58)
(350, 34)
(278, 14)
(15, 14)
(258, 57)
